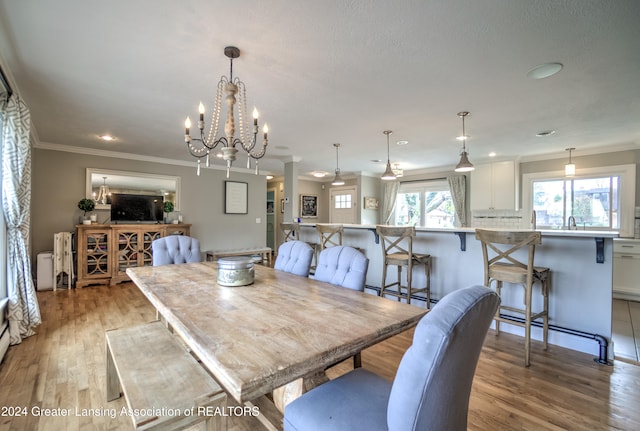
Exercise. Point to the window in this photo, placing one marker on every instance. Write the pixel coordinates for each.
(593, 202)
(425, 203)
(597, 198)
(343, 201)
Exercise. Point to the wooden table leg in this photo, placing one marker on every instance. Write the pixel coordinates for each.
(289, 392)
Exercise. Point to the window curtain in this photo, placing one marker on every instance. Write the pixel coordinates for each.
(458, 187)
(389, 193)
(23, 310)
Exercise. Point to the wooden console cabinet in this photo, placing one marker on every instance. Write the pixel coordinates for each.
(106, 251)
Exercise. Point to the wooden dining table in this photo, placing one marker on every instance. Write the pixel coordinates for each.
(256, 338)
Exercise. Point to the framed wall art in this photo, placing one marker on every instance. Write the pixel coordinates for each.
(308, 206)
(236, 196)
(370, 203)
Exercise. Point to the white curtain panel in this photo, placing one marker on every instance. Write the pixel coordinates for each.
(23, 311)
(389, 193)
(458, 187)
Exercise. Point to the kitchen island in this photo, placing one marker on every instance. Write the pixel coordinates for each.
(581, 263)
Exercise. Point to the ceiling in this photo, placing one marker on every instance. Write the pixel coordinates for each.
(333, 72)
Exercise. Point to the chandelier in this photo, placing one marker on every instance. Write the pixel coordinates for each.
(201, 147)
(104, 193)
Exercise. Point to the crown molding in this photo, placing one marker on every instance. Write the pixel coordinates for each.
(138, 157)
(580, 152)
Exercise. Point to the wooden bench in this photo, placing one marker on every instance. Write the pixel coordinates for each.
(264, 252)
(161, 381)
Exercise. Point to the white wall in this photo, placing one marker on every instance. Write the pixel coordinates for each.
(369, 187)
(59, 183)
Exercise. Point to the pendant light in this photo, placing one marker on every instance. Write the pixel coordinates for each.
(570, 168)
(337, 180)
(388, 173)
(464, 165)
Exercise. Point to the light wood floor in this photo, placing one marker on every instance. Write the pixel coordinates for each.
(63, 367)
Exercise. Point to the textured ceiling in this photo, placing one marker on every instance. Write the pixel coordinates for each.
(333, 71)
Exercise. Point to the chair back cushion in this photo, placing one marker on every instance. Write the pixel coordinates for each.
(294, 257)
(343, 266)
(175, 249)
(433, 383)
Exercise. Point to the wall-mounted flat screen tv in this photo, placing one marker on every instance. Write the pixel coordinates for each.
(136, 208)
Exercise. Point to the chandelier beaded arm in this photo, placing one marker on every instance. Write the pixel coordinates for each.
(248, 139)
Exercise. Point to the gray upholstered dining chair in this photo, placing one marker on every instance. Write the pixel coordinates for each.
(294, 257)
(431, 388)
(343, 266)
(175, 249)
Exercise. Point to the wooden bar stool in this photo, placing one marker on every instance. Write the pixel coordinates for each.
(291, 231)
(397, 249)
(500, 265)
(330, 235)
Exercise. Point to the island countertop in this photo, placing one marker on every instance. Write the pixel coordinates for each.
(544, 232)
(581, 264)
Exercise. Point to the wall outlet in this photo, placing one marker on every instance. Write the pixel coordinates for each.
(258, 220)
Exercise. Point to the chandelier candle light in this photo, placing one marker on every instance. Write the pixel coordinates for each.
(202, 146)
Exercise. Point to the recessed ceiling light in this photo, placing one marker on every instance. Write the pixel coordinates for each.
(376, 160)
(545, 133)
(402, 142)
(282, 147)
(544, 70)
(269, 177)
(107, 137)
(492, 154)
(462, 138)
(319, 174)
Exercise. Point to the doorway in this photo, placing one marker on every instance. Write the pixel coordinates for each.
(343, 205)
(271, 214)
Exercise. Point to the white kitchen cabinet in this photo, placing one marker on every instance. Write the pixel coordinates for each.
(493, 186)
(626, 269)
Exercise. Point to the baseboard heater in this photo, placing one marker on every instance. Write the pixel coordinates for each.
(602, 341)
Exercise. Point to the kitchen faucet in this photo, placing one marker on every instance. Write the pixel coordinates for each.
(571, 223)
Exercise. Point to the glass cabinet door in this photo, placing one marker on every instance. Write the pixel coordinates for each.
(145, 254)
(127, 250)
(97, 263)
